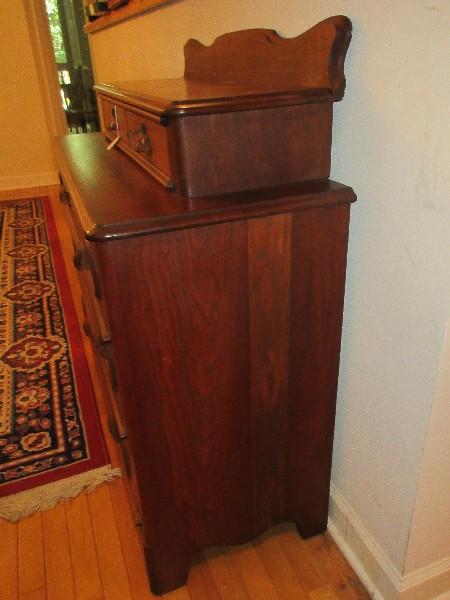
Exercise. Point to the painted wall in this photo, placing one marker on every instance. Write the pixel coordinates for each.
(391, 137)
(432, 511)
(25, 152)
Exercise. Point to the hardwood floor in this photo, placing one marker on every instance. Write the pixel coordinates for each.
(89, 548)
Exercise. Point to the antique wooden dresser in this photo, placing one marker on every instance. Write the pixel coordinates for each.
(217, 323)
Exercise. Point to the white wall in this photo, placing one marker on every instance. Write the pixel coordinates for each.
(391, 142)
(429, 540)
(25, 146)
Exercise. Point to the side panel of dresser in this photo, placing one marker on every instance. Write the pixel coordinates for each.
(250, 149)
(227, 342)
(96, 327)
(142, 137)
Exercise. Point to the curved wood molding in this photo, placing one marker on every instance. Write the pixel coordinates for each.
(263, 57)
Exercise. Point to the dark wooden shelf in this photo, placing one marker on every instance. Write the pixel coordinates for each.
(133, 9)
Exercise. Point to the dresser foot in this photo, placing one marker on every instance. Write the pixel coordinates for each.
(167, 570)
(310, 527)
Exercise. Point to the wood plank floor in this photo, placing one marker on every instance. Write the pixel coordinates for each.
(89, 548)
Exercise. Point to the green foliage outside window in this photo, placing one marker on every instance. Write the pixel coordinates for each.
(56, 31)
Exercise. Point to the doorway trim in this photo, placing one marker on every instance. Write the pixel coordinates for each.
(44, 58)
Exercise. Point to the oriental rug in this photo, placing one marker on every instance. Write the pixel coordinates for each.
(51, 442)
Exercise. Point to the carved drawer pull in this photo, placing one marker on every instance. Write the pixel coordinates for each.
(139, 139)
(82, 260)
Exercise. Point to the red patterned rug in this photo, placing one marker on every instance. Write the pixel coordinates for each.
(51, 443)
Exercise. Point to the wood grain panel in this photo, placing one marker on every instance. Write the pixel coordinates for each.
(226, 341)
(31, 555)
(251, 569)
(228, 581)
(34, 595)
(313, 59)
(345, 585)
(83, 551)
(317, 563)
(319, 253)
(58, 563)
(9, 580)
(201, 582)
(189, 384)
(269, 256)
(130, 541)
(324, 593)
(276, 146)
(298, 556)
(109, 552)
(281, 573)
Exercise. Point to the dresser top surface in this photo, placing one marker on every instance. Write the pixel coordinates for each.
(117, 199)
(181, 96)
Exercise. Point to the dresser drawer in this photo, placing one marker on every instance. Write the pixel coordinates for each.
(113, 118)
(149, 139)
(142, 137)
(115, 417)
(88, 277)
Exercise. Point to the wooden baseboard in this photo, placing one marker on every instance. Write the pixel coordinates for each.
(377, 572)
(29, 181)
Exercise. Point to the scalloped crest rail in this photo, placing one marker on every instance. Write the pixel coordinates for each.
(313, 59)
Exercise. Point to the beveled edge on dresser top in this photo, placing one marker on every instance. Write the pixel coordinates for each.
(181, 97)
(115, 199)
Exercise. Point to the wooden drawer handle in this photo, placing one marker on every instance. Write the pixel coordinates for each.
(82, 260)
(140, 140)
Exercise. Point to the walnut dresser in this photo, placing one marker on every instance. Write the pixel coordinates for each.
(216, 320)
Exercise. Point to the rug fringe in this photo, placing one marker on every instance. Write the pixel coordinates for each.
(23, 504)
